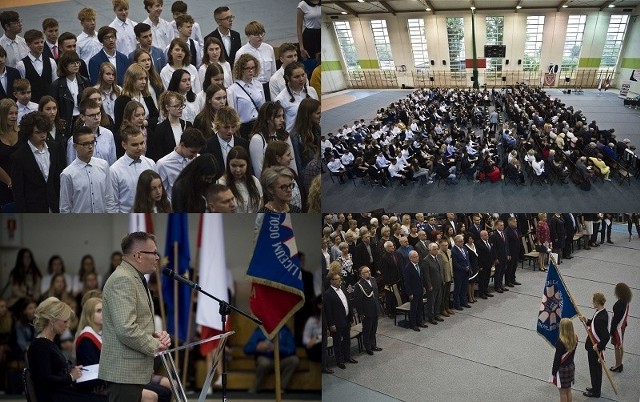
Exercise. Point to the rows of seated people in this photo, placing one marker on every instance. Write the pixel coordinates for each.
(518, 134)
(84, 116)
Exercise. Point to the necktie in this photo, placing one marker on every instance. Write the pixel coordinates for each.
(54, 50)
(417, 269)
(502, 235)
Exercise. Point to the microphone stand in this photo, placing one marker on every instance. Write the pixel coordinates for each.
(224, 310)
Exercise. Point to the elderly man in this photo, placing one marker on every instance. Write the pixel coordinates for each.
(461, 266)
(433, 272)
(367, 303)
(391, 265)
(337, 311)
(485, 262)
(413, 282)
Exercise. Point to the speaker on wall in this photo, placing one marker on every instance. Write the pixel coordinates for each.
(504, 79)
(519, 61)
(431, 79)
(444, 62)
(506, 61)
(472, 79)
(567, 79)
(433, 62)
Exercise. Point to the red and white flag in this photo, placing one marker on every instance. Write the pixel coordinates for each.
(140, 222)
(212, 269)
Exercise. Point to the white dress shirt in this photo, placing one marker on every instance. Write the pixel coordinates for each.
(167, 72)
(266, 57)
(241, 100)
(242, 205)
(104, 149)
(196, 33)
(43, 159)
(25, 109)
(169, 167)
(124, 179)
(343, 299)
(88, 46)
(17, 49)
(257, 146)
(126, 38)
(226, 40)
(291, 108)
(162, 33)
(226, 70)
(86, 187)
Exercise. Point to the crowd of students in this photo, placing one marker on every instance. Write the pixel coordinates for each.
(82, 117)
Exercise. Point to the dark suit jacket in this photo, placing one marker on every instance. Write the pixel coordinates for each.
(433, 272)
(119, 105)
(557, 231)
(460, 261)
(213, 147)
(391, 272)
(513, 240)
(601, 328)
(158, 58)
(422, 249)
(367, 306)
(475, 232)
(334, 309)
(236, 44)
(499, 247)
(361, 256)
(569, 226)
(12, 75)
(413, 280)
(122, 63)
(47, 53)
(30, 191)
(485, 255)
(162, 142)
(63, 97)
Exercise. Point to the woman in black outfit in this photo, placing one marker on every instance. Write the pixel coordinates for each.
(67, 90)
(619, 322)
(53, 377)
(189, 189)
(563, 371)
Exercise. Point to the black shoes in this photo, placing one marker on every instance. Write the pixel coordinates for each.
(466, 306)
(369, 352)
(489, 295)
(458, 308)
(423, 326)
(590, 394)
(505, 289)
(438, 319)
(498, 290)
(376, 349)
(342, 366)
(609, 241)
(516, 283)
(416, 329)
(616, 369)
(352, 360)
(484, 297)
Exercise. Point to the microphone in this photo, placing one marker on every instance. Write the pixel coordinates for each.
(176, 277)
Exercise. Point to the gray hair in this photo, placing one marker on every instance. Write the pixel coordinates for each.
(270, 175)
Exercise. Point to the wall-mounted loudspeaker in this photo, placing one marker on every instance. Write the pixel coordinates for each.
(433, 62)
(504, 79)
(519, 61)
(444, 62)
(472, 79)
(567, 79)
(431, 79)
(506, 61)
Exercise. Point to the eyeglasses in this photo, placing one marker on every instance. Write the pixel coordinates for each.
(249, 68)
(74, 63)
(88, 144)
(260, 35)
(150, 252)
(19, 22)
(287, 187)
(180, 106)
(93, 115)
(229, 18)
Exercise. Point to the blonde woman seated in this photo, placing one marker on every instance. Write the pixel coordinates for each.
(599, 163)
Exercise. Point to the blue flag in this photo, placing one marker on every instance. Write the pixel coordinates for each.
(177, 231)
(277, 291)
(556, 304)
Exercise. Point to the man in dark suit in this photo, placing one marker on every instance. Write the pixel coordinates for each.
(431, 228)
(107, 36)
(476, 228)
(337, 311)
(500, 250)
(460, 260)
(226, 123)
(513, 240)
(598, 328)
(144, 36)
(413, 288)
(367, 303)
(570, 228)
(230, 39)
(422, 247)
(432, 272)
(36, 167)
(391, 265)
(12, 74)
(364, 252)
(485, 262)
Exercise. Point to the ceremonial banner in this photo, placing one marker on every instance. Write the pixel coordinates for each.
(277, 291)
(177, 232)
(549, 79)
(556, 304)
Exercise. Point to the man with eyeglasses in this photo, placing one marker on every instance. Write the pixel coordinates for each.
(85, 185)
(14, 44)
(105, 146)
(108, 37)
(130, 341)
(262, 51)
(229, 38)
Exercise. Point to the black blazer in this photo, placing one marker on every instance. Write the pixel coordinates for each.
(162, 142)
(601, 328)
(30, 191)
(213, 148)
(62, 95)
(12, 75)
(499, 247)
(513, 240)
(361, 256)
(334, 309)
(118, 111)
(485, 255)
(413, 280)
(236, 44)
(367, 306)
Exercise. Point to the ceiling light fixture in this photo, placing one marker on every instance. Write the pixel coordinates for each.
(343, 12)
(612, 5)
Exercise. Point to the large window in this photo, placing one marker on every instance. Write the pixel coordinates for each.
(418, 41)
(573, 44)
(347, 46)
(533, 43)
(495, 34)
(382, 44)
(613, 43)
(455, 34)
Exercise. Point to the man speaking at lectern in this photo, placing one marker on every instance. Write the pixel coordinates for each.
(129, 343)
